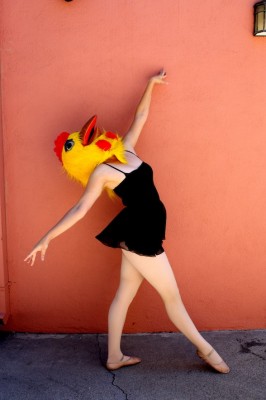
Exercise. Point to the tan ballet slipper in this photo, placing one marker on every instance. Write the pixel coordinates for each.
(123, 363)
(221, 366)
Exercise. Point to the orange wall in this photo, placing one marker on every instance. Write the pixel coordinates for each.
(63, 62)
(4, 279)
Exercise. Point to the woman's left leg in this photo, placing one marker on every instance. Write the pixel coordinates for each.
(130, 281)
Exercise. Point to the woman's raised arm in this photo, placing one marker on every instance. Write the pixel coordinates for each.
(142, 112)
(93, 190)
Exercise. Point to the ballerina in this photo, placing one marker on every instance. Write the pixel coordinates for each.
(138, 230)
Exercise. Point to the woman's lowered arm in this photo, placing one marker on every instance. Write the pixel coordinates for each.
(92, 192)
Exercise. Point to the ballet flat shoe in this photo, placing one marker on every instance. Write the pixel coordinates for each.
(124, 362)
(221, 367)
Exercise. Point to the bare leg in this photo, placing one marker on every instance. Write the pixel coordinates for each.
(130, 281)
(159, 274)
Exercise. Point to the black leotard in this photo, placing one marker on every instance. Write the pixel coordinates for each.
(140, 226)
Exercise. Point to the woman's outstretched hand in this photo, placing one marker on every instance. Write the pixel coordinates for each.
(41, 246)
(159, 78)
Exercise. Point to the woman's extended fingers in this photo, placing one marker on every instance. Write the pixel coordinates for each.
(30, 259)
(163, 75)
(159, 78)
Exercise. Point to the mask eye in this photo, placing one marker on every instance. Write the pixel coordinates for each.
(69, 144)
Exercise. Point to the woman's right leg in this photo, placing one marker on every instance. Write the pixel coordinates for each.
(130, 281)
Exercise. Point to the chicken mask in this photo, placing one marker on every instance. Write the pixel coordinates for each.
(81, 152)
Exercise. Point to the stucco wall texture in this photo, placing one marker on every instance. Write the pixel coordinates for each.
(205, 138)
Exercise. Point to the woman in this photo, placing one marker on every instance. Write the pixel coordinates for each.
(139, 231)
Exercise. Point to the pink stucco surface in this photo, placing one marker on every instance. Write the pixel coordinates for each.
(205, 138)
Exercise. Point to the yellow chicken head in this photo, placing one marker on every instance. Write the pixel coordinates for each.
(81, 152)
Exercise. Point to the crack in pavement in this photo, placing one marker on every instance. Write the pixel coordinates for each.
(247, 347)
(111, 372)
(117, 386)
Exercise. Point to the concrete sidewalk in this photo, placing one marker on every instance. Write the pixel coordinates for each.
(70, 367)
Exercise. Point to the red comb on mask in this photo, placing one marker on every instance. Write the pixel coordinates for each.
(59, 144)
